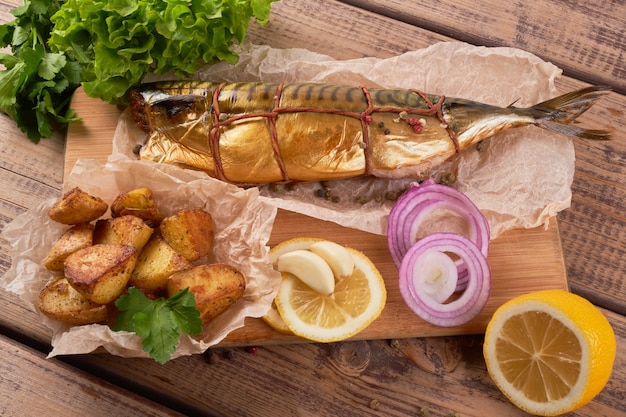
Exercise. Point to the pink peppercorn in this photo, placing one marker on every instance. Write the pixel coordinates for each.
(417, 126)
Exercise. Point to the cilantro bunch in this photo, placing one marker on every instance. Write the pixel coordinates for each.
(108, 46)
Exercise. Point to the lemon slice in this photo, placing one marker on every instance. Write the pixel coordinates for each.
(550, 352)
(357, 300)
(273, 319)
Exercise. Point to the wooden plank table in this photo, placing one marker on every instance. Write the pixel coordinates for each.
(443, 375)
(54, 388)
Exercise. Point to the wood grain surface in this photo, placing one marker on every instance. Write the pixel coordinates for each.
(41, 387)
(550, 30)
(435, 376)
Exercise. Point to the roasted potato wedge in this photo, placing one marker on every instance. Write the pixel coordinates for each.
(215, 287)
(156, 262)
(189, 232)
(125, 230)
(76, 206)
(138, 202)
(60, 301)
(75, 238)
(100, 272)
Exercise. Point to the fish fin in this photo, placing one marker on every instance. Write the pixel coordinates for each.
(557, 113)
(512, 105)
(569, 130)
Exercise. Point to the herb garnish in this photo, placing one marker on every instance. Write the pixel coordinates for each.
(159, 322)
(37, 83)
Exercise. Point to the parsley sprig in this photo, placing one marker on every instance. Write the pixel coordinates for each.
(37, 84)
(159, 322)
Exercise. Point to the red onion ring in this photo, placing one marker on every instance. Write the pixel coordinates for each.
(427, 306)
(413, 209)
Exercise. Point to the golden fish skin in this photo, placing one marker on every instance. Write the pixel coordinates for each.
(256, 133)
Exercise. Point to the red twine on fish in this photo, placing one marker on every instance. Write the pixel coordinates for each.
(221, 120)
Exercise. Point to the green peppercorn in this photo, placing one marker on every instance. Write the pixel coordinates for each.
(391, 195)
(361, 199)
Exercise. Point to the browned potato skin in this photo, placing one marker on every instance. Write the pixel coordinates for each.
(125, 230)
(77, 206)
(156, 262)
(138, 202)
(151, 216)
(59, 301)
(101, 272)
(75, 238)
(189, 232)
(215, 287)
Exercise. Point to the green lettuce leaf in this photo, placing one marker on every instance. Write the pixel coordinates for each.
(118, 42)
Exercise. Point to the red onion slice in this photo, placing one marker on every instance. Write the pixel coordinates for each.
(435, 273)
(414, 207)
(429, 308)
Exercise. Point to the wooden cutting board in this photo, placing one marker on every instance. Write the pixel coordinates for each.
(521, 260)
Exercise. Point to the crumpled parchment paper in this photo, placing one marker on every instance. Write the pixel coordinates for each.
(520, 178)
(243, 224)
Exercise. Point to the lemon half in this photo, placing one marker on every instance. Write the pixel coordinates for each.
(550, 352)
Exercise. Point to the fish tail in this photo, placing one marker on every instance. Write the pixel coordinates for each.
(558, 113)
